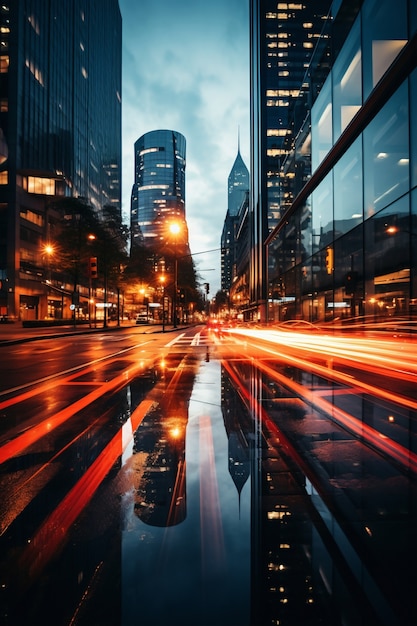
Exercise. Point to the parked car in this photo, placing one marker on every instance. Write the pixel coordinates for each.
(142, 318)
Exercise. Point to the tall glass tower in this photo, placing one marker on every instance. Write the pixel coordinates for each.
(282, 40)
(158, 193)
(238, 186)
(60, 125)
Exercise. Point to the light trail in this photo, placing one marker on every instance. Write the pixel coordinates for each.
(392, 355)
(292, 355)
(75, 369)
(16, 445)
(355, 426)
(49, 538)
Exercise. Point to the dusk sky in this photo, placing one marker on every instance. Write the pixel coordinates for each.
(186, 68)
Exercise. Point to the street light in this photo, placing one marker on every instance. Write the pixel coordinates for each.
(162, 280)
(175, 229)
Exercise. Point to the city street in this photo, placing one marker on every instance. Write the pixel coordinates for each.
(208, 476)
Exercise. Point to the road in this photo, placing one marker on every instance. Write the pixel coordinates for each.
(246, 475)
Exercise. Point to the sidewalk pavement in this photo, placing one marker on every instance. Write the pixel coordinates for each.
(14, 332)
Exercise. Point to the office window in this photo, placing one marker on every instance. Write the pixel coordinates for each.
(384, 27)
(321, 125)
(322, 213)
(347, 81)
(386, 154)
(348, 199)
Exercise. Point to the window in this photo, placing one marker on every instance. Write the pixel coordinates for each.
(347, 81)
(386, 154)
(384, 35)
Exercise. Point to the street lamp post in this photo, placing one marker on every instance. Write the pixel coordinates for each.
(162, 279)
(175, 229)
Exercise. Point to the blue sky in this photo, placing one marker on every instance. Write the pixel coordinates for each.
(186, 68)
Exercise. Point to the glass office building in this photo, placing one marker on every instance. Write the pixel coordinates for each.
(60, 120)
(158, 193)
(283, 38)
(345, 246)
(237, 189)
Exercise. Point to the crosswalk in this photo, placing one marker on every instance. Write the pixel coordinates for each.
(197, 339)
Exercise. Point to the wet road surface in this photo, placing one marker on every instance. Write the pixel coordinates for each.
(192, 478)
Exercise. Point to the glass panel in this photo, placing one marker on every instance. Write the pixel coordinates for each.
(321, 125)
(413, 128)
(387, 268)
(347, 81)
(384, 35)
(348, 201)
(322, 213)
(386, 154)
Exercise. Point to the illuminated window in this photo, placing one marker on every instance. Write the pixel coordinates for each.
(32, 217)
(276, 132)
(4, 177)
(4, 64)
(35, 71)
(44, 186)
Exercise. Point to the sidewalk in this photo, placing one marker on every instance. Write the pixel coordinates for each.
(16, 333)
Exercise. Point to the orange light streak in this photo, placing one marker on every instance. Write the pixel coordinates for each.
(379, 441)
(340, 377)
(52, 533)
(26, 439)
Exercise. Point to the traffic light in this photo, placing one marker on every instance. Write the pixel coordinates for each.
(329, 260)
(207, 287)
(93, 267)
(351, 279)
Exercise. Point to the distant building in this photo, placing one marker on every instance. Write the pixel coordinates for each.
(238, 185)
(158, 193)
(60, 123)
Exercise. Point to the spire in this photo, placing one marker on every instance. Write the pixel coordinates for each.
(238, 139)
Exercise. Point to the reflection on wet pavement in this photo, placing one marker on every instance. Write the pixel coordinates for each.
(210, 492)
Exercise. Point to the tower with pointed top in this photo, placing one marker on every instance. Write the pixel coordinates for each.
(238, 185)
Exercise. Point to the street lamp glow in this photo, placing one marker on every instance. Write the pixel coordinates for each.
(174, 228)
(49, 249)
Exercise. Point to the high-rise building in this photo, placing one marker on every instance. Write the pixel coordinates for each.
(344, 246)
(238, 185)
(282, 41)
(158, 193)
(60, 118)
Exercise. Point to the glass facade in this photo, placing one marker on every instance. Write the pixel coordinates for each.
(237, 189)
(158, 194)
(283, 38)
(60, 116)
(345, 248)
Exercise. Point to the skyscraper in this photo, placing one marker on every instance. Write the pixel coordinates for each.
(341, 243)
(60, 114)
(282, 40)
(158, 193)
(238, 185)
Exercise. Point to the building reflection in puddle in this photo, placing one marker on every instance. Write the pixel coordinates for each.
(186, 515)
